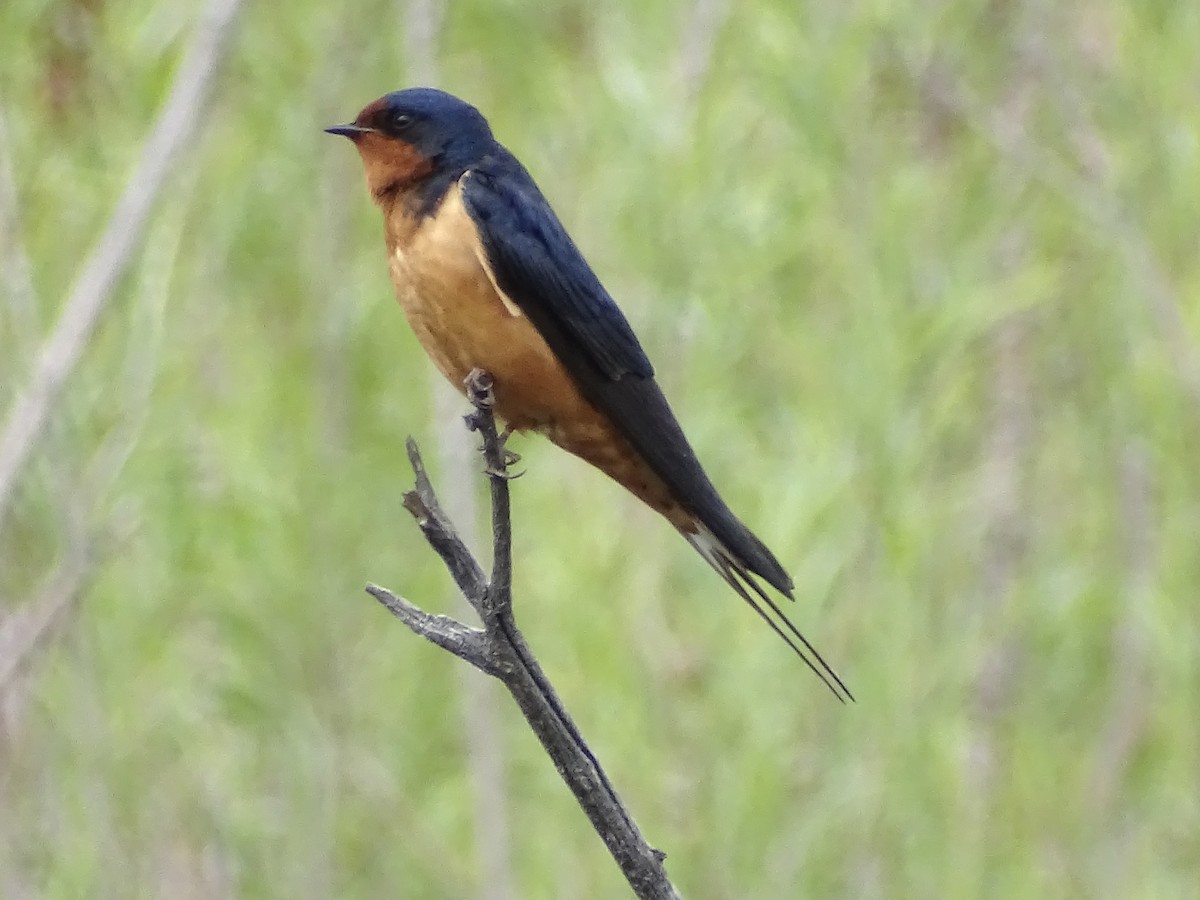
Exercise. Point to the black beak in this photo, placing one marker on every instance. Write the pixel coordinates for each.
(351, 131)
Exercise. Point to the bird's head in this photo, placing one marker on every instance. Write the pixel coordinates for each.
(408, 136)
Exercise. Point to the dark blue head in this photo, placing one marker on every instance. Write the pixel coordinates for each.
(429, 131)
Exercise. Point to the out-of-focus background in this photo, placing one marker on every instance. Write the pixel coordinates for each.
(921, 280)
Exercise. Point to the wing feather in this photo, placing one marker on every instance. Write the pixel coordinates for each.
(537, 265)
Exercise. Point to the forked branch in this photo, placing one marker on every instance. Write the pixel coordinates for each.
(499, 649)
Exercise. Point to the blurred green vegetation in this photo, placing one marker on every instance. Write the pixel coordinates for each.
(921, 280)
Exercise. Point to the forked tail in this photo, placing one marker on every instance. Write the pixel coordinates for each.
(738, 576)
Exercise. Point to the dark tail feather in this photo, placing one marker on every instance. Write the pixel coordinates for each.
(745, 552)
(739, 577)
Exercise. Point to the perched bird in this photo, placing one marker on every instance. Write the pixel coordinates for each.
(489, 278)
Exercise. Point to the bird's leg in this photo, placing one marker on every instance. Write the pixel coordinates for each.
(507, 457)
(480, 391)
(511, 457)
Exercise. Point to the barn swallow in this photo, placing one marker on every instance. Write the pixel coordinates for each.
(489, 278)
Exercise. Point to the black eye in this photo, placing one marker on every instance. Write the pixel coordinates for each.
(400, 121)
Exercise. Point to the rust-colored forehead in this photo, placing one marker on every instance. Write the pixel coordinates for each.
(372, 112)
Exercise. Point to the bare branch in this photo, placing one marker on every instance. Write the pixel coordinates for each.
(463, 641)
(102, 270)
(499, 593)
(423, 503)
(508, 657)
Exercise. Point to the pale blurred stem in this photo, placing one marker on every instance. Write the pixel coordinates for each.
(499, 649)
(702, 26)
(1129, 710)
(16, 273)
(103, 268)
(24, 632)
(1006, 540)
(26, 629)
(421, 26)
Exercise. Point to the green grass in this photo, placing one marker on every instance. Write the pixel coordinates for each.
(921, 282)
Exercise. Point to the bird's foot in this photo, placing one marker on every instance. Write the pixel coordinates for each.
(508, 457)
(511, 457)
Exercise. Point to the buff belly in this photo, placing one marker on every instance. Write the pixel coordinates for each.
(464, 321)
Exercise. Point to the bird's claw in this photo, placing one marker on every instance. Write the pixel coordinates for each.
(500, 473)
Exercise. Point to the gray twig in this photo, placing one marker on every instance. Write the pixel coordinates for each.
(500, 649)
